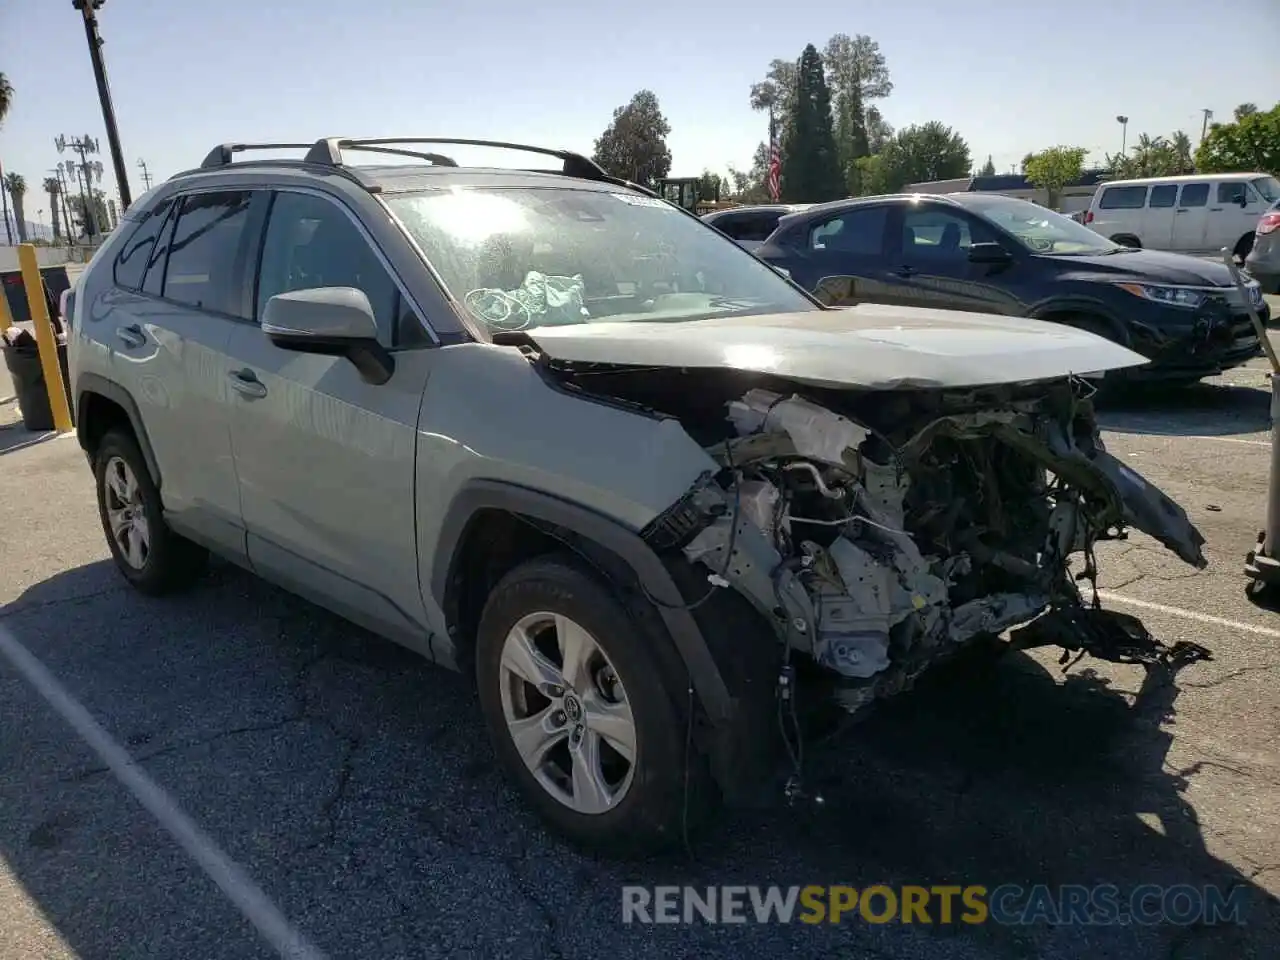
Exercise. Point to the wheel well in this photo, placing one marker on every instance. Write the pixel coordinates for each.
(1127, 240)
(493, 543)
(98, 415)
(1081, 319)
(1244, 245)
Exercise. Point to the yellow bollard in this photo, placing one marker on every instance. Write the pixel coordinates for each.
(45, 338)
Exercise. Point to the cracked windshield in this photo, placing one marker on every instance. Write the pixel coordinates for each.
(519, 259)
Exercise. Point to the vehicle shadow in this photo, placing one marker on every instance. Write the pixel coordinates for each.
(1199, 409)
(991, 771)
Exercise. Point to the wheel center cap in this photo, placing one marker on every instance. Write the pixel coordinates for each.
(573, 708)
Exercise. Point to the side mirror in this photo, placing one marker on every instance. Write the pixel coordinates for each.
(333, 321)
(989, 253)
(1243, 200)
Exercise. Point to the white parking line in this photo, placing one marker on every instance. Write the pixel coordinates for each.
(1252, 443)
(1189, 614)
(248, 897)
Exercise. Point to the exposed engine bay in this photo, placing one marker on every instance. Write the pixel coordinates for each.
(878, 531)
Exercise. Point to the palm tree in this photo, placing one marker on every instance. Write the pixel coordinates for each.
(6, 101)
(1181, 145)
(53, 187)
(6, 96)
(16, 184)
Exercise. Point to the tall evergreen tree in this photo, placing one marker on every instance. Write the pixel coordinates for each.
(811, 169)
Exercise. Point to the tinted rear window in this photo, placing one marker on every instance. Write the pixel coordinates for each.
(1164, 195)
(1123, 198)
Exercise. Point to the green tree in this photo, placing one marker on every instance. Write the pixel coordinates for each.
(879, 130)
(712, 186)
(776, 92)
(988, 169)
(1245, 110)
(810, 162)
(1251, 143)
(6, 96)
(750, 185)
(856, 74)
(1053, 169)
(919, 154)
(1180, 143)
(634, 145)
(16, 185)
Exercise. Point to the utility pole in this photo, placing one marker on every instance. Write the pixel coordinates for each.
(1124, 132)
(83, 146)
(1204, 127)
(89, 10)
(60, 173)
(146, 176)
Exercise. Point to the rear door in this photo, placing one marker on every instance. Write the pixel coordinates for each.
(843, 258)
(326, 459)
(179, 284)
(1191, 218)
(931, 261)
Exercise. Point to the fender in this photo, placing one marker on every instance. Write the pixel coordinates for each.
(92, 383)
(649, 570)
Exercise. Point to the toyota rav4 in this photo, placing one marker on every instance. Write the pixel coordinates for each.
(545, 428)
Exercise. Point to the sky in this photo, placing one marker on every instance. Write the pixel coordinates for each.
(1009, 76)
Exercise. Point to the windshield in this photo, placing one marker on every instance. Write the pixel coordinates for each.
(1269, 187)
(1038, 229)
(520, 258)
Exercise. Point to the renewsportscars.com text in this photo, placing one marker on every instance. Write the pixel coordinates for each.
(1007, 904)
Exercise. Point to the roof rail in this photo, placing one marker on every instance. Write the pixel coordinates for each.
(329, 151)
(221, 155)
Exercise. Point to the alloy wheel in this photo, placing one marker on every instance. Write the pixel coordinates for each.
(126, 513)
(567, 712)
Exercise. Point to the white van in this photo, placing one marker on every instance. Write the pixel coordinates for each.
(1198, 214)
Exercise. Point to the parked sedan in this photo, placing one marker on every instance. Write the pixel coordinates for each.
(749, 227)
(994, 254)
(1263, 261)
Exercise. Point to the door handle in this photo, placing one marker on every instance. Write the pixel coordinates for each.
(1215, 209)
(246, 382)
(132, 335)
(906, 271)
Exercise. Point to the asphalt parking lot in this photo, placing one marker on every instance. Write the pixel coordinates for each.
(353, 785)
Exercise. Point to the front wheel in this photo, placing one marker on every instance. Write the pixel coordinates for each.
(579, 713)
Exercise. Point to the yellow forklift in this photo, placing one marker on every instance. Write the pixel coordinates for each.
(687, 192)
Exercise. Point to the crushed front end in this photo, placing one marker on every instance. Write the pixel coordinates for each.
(879, 531)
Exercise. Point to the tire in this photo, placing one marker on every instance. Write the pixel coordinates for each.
(153, 558)
(1244, 246)
(663, 793)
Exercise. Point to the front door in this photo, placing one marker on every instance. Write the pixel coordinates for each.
(932, 262)
(1234, 209)
(326, 459)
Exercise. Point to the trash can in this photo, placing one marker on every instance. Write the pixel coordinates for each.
(22, 358)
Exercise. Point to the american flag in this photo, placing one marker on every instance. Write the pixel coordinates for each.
(775, 171)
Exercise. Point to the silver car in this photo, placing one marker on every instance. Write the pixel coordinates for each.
(1263, 261)
(552, 431)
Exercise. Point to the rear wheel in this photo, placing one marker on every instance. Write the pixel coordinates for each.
(579, 714)
(150, 556)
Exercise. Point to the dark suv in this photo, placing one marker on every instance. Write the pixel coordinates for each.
(994, 254)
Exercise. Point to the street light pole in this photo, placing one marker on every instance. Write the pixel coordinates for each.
(89, 10)
(1124, 133)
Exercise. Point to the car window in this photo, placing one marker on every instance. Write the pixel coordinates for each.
(1123, 198)
(940, 234)
(1268, 187)
(131, 264)
(1164, 195)
(311, 242)
(858, 231)
(1232, 192)
(200, 270)
(524, 257)
(1194, 195)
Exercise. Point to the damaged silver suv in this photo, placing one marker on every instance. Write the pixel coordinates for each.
(552, 431)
